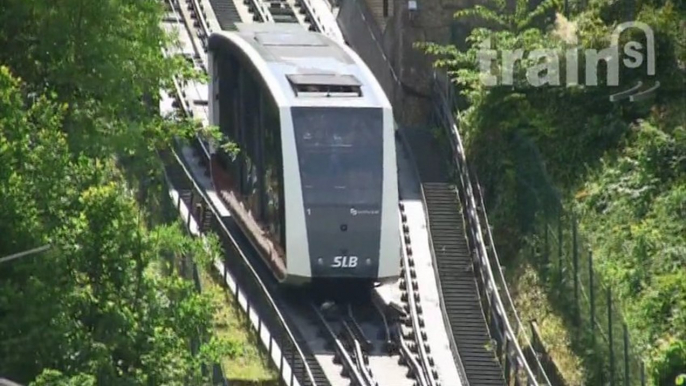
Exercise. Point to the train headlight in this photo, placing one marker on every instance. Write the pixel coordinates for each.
(320, 261)
(368, 261)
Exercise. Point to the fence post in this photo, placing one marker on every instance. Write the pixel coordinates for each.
(559, 248)
(591, 294)
(626, 355)
(546, 248)
(575, 254)
(609, 335)
(188, 220)
(226, 268)
(199, 215)
(643, 374)
(292, 364)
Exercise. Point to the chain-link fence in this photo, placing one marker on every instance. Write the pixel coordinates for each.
(567, 266)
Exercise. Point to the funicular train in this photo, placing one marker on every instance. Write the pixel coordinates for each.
(314, 183)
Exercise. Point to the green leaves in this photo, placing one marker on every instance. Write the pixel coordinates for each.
(105, 305)
(625, 163)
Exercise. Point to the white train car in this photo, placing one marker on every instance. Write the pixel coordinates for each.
(314, 184)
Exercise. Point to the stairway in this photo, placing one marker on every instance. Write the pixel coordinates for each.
(453, 259)
(227, 14)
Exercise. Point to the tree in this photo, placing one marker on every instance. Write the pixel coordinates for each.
(618, 166)
(96, 308)
(104, 71)
(93, 306)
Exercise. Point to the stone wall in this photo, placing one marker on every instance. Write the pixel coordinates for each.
(396, 37)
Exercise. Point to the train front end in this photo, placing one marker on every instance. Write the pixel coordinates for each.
(347, 184)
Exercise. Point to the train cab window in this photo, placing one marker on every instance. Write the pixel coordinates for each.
(340, 154)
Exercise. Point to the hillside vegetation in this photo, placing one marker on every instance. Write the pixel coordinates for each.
(79, 171)
(618, 169)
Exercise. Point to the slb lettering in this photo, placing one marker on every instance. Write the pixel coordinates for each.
(344, 262)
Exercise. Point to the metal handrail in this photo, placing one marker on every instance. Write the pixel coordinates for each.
(248, 264)
(346, 360)
(472, 212)
(502, 276)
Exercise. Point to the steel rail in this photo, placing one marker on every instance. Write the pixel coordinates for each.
(357, 329)
(412, 297)
(485, 265)
(346, 360)
(412, 363)
(248, 263)
(386, 329)
(359, 355)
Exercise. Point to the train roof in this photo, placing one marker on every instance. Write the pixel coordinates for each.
(304, 68)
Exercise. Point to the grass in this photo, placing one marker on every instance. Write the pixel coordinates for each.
(533, 304)
(247, 359)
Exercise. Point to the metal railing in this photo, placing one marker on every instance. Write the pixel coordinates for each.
(368, 39)
(357, 22)
(247, 280)
(490, 285)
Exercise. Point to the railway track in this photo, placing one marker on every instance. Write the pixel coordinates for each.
(413, 330)
(362, 349)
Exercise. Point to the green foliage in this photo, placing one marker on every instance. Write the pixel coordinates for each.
(621, 167)
(108, 73)
(56, 378)
(632, 212)
(103, 306)
(90, 306)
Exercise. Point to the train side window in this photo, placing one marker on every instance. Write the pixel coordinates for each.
(260, 200)
(251, 112)
(279, 176)
(227, 97)
(272, 166)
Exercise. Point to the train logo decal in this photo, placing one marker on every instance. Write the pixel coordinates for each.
(355, 212)
(344, 262)
(550, 73)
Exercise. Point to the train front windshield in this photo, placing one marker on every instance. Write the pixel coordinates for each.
(340, 152)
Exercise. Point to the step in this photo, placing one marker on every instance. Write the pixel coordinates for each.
(459, 289)
(227, 14)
